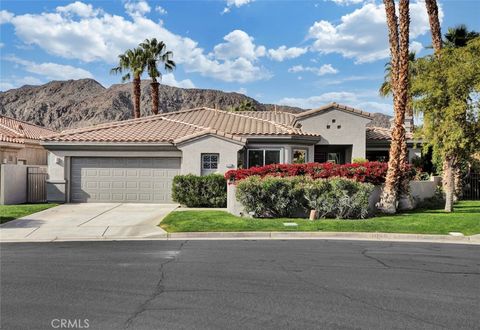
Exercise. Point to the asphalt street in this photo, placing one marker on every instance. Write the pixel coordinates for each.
(289, 284)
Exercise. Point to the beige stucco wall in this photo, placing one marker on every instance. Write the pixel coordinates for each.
(352, 131)
(13, 184)
(192, 150)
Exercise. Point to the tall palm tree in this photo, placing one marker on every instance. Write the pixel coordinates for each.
(459, 36)
(432, 10)
(132, 61)
(399, 39)
(155, 52)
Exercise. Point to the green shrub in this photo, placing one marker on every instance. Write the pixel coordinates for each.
(359, 160)
(200, 191)
(285, 197)
(271, 196)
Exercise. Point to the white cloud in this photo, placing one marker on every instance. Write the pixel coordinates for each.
(15, 82)
(242, 90)
(238, 44)
(169, 79)
(2, 44)
(347, 2)
(103, 36)
(416, 47)
(5, 16)
(137, 8)
(362, 34)
(160, 10)
(78, 8)
(357, 99)
(323, 70)
(235, 3)
(51, 70)
(284, 53)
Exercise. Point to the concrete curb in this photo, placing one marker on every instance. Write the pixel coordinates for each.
(329, 235)
(389, 237)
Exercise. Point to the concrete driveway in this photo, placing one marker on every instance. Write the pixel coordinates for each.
(93, 221)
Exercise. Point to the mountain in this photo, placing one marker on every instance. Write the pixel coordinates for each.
(60, 105)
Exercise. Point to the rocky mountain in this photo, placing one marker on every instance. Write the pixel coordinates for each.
(77, 103)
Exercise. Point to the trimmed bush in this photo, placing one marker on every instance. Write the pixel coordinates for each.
(285, 197)
(271, 196)
(200, 191)
(338, 198)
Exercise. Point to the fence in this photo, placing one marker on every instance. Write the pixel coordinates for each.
(471, 186)
(36, 184)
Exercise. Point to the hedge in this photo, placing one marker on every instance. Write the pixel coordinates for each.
(370, 172)
(200, 191)
(285, 196)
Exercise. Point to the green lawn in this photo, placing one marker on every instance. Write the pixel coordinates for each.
(465, 219)
(12, 212)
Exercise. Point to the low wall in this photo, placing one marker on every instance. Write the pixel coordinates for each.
(419, 191)
(13, 184)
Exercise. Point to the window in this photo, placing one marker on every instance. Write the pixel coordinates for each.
(334, 120)
(299, 156)
(328, 126)
(339, 126)
(210, 162)
(333, 157)
(261, 157)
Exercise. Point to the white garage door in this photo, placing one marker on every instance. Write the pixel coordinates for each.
(132, 180)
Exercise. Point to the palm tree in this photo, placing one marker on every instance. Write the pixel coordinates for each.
(459, 36)
(385, 90)
(399, 40)
(156, 52)
(432, 10)
(133, 61)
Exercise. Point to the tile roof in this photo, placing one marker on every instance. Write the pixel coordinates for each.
(236, 123)
(17, 131)
(380, 133)
(147, 129)
(336, 106)
(175, 127)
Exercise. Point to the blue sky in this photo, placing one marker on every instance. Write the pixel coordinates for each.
(300, 53)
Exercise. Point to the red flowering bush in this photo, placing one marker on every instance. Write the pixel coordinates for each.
(371, 172)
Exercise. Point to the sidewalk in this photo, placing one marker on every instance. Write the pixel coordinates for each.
(381, 237)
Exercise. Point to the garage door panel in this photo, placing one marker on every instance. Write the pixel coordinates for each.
(144, 180)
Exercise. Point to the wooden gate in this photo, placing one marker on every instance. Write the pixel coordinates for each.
(471, 186)
(36, 184)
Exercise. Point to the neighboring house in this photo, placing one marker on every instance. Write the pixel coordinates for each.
(136, 160)
(20, 142)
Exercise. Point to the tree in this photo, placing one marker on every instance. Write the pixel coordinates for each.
(432, 10)
(245, 105)
(132, 61)
(155, 52)
(447, 94)
(459, 36)
(398, 30)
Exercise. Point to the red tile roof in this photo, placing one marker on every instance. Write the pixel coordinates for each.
(17, 131)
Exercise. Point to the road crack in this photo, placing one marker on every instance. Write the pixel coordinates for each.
(159, 289)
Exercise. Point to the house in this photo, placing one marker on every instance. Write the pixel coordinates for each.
(136, 160)
(20, 142)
